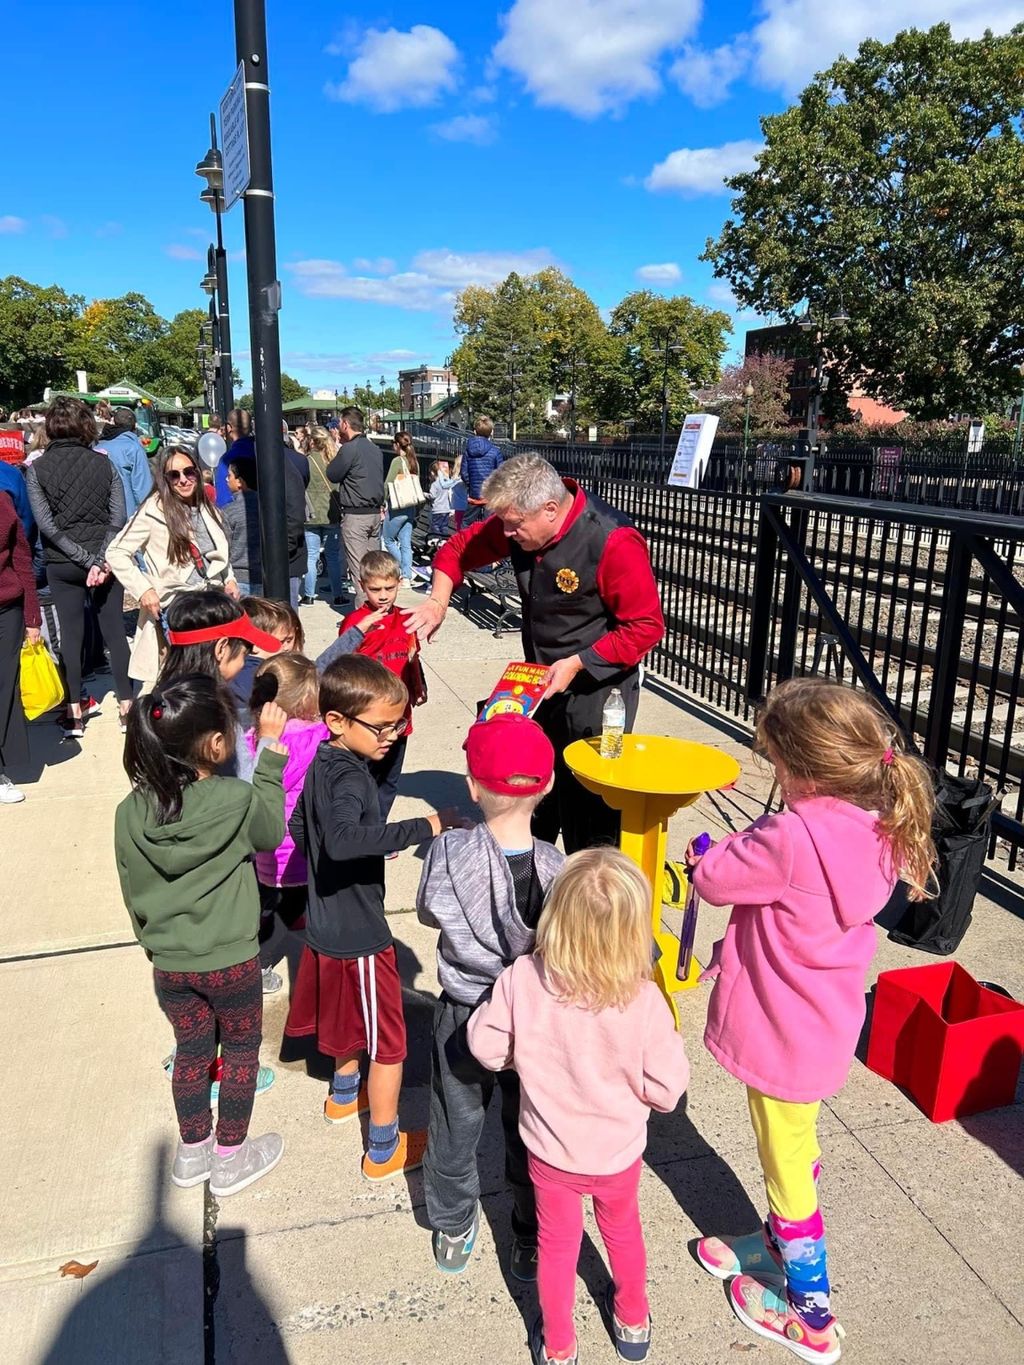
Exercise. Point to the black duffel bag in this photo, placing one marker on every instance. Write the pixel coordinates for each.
(961, 829)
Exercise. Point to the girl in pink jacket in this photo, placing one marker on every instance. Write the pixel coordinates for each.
(292, 681)
(788, 1003)
(595, 1050)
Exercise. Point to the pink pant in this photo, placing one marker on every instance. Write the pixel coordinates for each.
(560, 1233)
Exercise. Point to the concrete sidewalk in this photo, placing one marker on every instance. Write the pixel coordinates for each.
(314, 1265)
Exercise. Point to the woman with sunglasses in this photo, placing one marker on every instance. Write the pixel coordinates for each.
(178, 537)
(77, 500)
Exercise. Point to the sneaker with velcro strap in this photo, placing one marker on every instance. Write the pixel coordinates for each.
(451, 1254)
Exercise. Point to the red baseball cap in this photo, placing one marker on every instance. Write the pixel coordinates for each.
(506, 747)
(240, 629)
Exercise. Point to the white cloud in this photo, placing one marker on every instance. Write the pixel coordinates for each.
(431, 282)
(466, 128)
(483, 94)
(707, 75)
(591, 56)
(379, 265)
(394, 70)
(10, 224)
(178, 252)
(701, 170)
(665, 273)
(797, 38)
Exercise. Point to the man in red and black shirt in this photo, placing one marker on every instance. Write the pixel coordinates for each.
(590, 611)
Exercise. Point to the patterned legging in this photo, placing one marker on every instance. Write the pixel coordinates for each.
(200, 1005)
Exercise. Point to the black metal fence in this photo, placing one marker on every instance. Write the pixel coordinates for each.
(922, 605)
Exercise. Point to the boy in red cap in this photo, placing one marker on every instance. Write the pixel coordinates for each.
(483, 888)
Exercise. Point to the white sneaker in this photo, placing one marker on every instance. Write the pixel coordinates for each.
(10, 795)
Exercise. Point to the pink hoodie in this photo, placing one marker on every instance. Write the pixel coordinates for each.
(286, 866)
(589, 1078)
(805, 886)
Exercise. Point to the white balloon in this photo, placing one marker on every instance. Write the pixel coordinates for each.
(210, 447)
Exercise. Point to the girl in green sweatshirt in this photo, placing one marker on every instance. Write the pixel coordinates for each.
(184, 839)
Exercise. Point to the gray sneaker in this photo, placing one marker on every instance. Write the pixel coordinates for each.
(192, 1164)
(523, 1263)
(451, 1254)
(631, 1343)
(255, 1157)
(272, 981)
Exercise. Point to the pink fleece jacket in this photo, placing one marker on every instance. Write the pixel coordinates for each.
(286, 866)
(589, 1078)
(805, 886)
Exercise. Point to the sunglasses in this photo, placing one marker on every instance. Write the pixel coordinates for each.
(395, 730)
(182, 475)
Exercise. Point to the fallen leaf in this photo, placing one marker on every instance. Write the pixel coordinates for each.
(78, 1270)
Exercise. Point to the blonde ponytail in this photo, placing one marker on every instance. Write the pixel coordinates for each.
(906, 820)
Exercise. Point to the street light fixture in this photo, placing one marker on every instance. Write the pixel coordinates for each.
(748, 393)
(215, 281)
(513, 351)
(808, 322)
(382, 400)
(665, 350)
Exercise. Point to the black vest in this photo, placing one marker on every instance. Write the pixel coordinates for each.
(76, 483)
(562, 610)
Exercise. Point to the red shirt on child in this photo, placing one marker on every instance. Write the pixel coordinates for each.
(391, 645)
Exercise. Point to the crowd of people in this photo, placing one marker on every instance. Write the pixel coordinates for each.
(262, 785)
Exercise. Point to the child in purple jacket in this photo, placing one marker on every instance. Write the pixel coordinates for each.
(292, 681)
(788, 1004)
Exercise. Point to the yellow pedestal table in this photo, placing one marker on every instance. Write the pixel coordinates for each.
(654, 777)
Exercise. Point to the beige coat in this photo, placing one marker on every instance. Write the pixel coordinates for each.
(147, 533)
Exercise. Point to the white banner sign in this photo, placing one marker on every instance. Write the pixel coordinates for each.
(234, 140)
(692, 450)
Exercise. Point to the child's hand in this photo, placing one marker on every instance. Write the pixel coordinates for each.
(692, 857)
(276, 748)
(449, 818)
(271, 725)
(374, 619)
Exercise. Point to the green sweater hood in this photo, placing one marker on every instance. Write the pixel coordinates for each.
(189, 886)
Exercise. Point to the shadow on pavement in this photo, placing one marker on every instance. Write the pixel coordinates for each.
(439, 789)
(154, 1308)
(701, 1182)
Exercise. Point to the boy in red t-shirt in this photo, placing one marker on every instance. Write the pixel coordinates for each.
(388, 641)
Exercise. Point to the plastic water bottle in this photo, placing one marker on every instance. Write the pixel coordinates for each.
(613, 725)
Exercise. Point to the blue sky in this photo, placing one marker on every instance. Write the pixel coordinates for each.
(413, 152)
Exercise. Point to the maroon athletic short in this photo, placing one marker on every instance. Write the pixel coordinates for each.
(352, 1004)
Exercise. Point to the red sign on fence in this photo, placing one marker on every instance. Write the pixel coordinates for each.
(12, 445)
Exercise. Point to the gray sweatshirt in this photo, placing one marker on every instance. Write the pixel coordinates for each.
(466, 891)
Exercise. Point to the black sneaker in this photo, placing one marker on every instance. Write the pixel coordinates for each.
(524, 1260)
(537, 1352)
(451, 1254)
(631, 1343)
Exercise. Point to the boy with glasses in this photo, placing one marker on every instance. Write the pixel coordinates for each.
(347, 989)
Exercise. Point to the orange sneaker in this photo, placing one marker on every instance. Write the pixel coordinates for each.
(407, 1156)
(341, 1113)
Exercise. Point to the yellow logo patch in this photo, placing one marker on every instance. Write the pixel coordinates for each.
(567, 580)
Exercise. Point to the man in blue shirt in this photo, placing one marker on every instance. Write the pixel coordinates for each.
(125, 452)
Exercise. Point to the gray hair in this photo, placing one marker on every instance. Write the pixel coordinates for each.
(524, 483)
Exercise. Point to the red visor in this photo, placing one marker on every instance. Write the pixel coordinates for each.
(242, 629)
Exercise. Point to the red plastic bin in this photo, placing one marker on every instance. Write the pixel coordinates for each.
(954, 1046)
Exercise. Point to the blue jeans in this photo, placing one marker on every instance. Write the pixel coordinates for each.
(313, 544)
(334, 554)
(397, 538)
(251, 587)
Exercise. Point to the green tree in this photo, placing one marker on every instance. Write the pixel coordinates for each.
(368, 398)
(894, 187)
(114, 336)
(635, 371)
(38, 336)
(291, 388)
(167, 364)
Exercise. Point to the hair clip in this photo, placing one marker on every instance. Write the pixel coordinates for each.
(157, 712)
(888, 757)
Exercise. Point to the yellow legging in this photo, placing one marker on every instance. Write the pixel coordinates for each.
(787, 1144)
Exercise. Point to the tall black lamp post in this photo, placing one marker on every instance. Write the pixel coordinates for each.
(215, 282)
(573, 357)
(382, 400)
(668, 346)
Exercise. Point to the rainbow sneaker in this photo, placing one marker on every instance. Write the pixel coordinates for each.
(751, 1255)
(767, 1312)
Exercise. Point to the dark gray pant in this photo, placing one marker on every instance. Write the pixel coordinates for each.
(460, 1091)
(360, 533)
(580, 816)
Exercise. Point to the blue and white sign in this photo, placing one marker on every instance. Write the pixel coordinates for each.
(234, 140)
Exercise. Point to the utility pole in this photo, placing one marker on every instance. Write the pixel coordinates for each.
(264, 296)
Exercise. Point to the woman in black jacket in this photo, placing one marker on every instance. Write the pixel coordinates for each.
(78, 502)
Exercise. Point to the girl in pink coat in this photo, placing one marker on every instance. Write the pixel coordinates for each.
(788, 1003)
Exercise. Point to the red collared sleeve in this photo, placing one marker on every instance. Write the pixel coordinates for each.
(484, 542)
(626, 583)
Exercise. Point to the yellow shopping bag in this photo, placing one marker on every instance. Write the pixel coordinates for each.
(41, 686)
